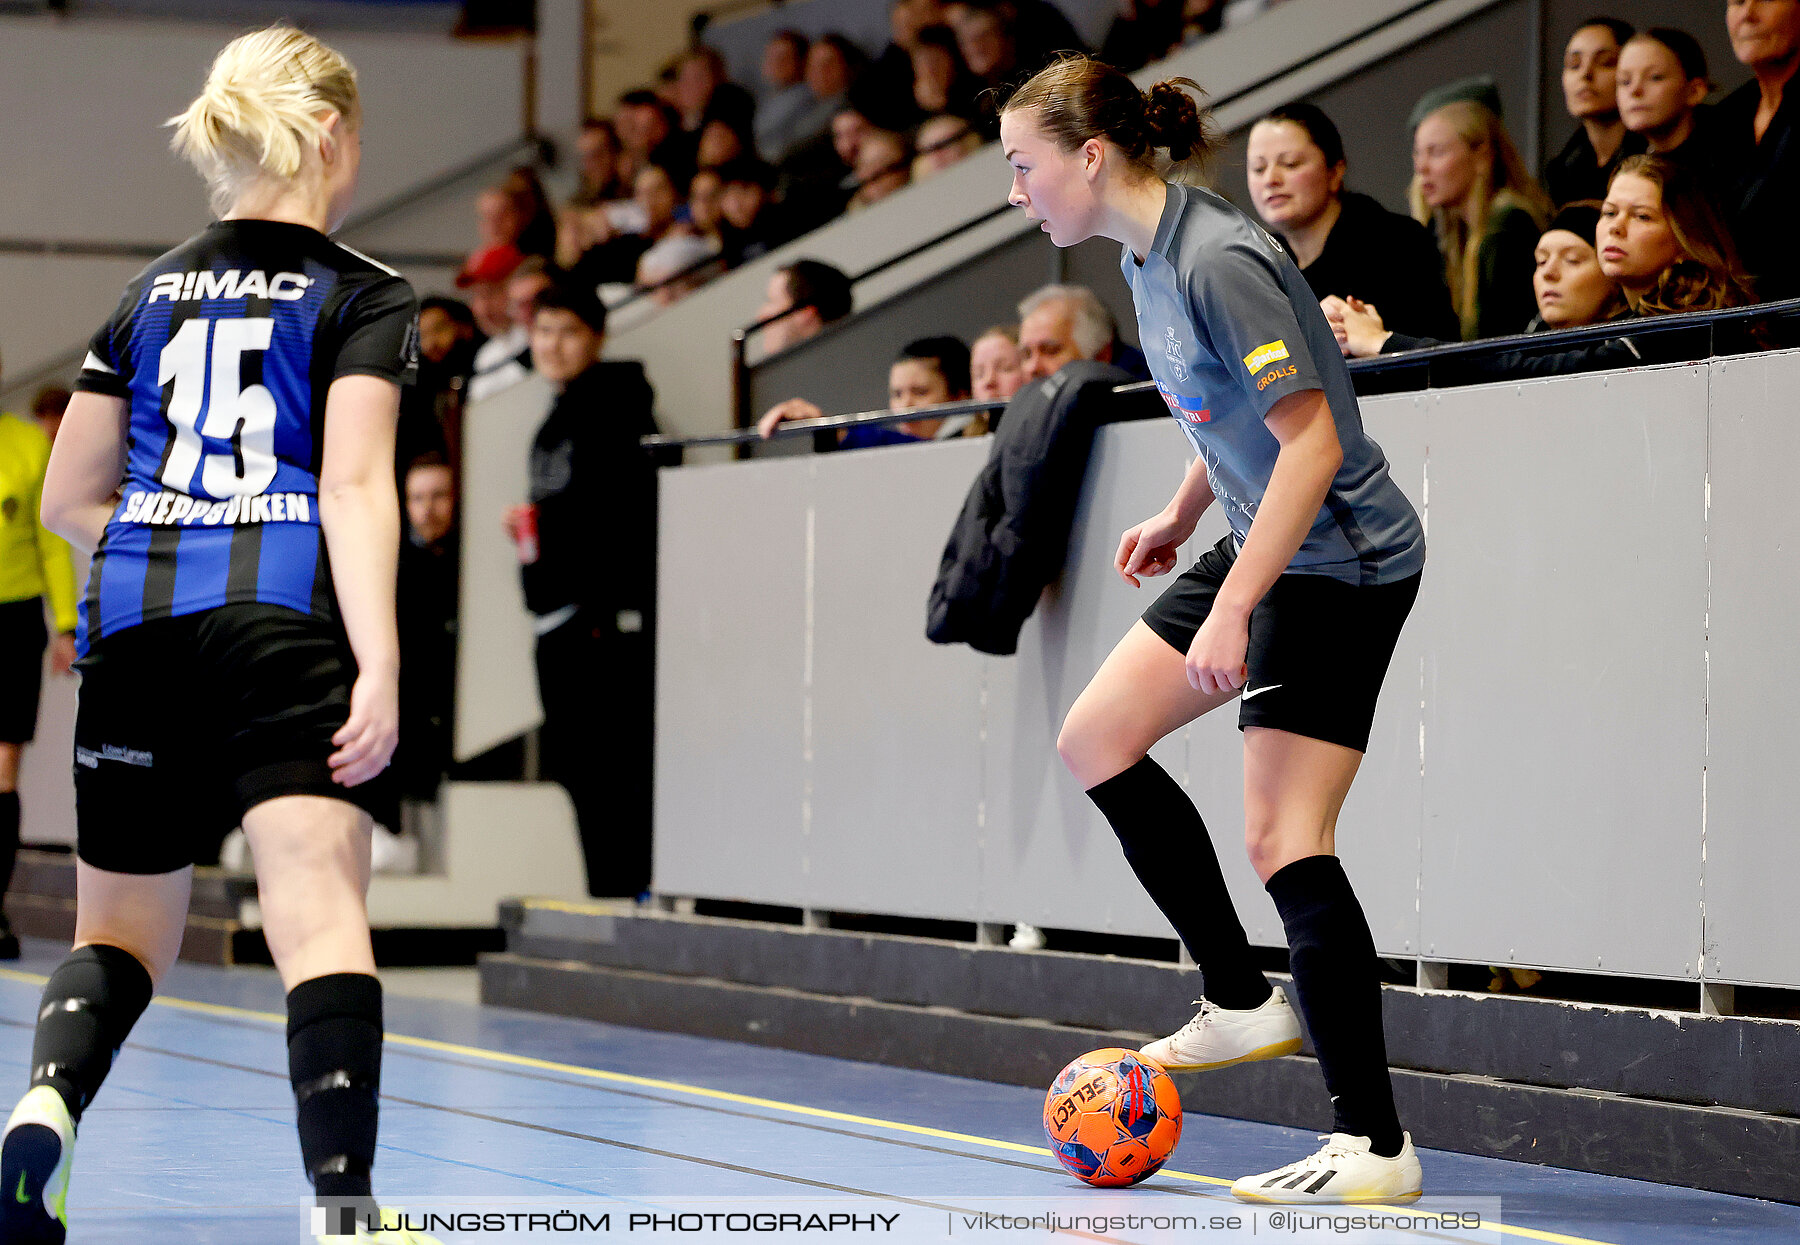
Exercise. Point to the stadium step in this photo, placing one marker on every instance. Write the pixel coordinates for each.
(41, 903)
(1704, 1101)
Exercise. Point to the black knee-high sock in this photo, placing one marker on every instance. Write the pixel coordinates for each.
(1332, 956)
(1167, 846)
(90, 1003)
(334, 1064)
(9, 838)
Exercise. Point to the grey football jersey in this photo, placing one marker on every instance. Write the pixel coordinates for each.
(1229, 327)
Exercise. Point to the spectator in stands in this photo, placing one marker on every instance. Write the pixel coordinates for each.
(706, 206)
(593, 491)
(431, 408)
(943, 140)
(505, 360)
(47, 407)
(486, 286)
(646, 126)
(926, 372)
(752, 223)
(615, 260)
(1590, 92)
(893, 71)
(721, 142)
(1345, 244)
(1568, 282)
(1663, 240)
(986, 38)
(703, 92)
(1143, 31)
(1027, 33)
(427, 599)
(832, 66)
(675, 268)
(597, 155)
(883, 166)
(1471, 187)
(498, 223)
(995, 372)
(785, 97)
(941, 83)
(1759, 144)
(1663, 86)
(802, 298)
(1059, 324)
(537, 219)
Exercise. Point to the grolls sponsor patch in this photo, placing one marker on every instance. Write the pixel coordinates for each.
(1262, 356)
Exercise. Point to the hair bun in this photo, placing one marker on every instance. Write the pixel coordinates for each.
(1173, 119)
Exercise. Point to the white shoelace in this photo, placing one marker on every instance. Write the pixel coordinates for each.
(1198, 1023)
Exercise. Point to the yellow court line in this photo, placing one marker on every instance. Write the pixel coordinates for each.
(719, 1095)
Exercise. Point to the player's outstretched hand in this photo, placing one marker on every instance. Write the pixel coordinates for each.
(365, 742)
(1215, 660)
(1150, 548)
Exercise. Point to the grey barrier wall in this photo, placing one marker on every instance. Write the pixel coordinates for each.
(1583, 757)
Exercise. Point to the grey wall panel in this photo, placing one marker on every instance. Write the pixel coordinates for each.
(1753, 783)
(896, 720)
(1380, 828)
(1049, 855)
(730, 664)
(1564, 733)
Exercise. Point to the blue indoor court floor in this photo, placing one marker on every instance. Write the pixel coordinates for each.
(507, 1114)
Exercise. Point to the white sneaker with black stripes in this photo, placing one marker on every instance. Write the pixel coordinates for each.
(1344, 1172)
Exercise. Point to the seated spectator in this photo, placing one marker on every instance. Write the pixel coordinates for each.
(892, 74)
(505, 360)
(431, 408)
(47, 407)
(883, 166)
(832, 66)
(752, 224)
(986, 38)
(1568, 283)
(1662, 86)
(995, 373)
(594, 617)
(706, 206)
(941, 83)
(1590, 71)
(1025, 34)
(721, 142)
(615, 260)
(1662, 239)
(1143, 31)
(815, 181)
(1345, 244)
(537, 219)
(486, 291)
(498, 223)
(1471, 187)
(785, 97)
(943, 140)
(597, 156)
(648, 134)
(427, 599)
(1059, 324)
(703, 92)
(802, 298)
(926, 372)
(1759, 147)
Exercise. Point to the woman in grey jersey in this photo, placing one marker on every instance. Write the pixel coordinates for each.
(1296, 611)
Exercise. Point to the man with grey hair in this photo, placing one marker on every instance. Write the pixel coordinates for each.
(1061, 323)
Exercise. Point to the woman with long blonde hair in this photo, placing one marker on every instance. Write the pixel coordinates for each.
(227, 460)
(1471, 187)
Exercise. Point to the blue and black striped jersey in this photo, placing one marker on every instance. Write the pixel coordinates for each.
(225, 349)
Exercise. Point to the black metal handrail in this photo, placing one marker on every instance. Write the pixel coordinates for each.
(824, 423)
(1585, 335)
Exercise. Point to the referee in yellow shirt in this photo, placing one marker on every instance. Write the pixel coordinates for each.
(34, 567)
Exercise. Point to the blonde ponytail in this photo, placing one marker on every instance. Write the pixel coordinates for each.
(263, 108)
